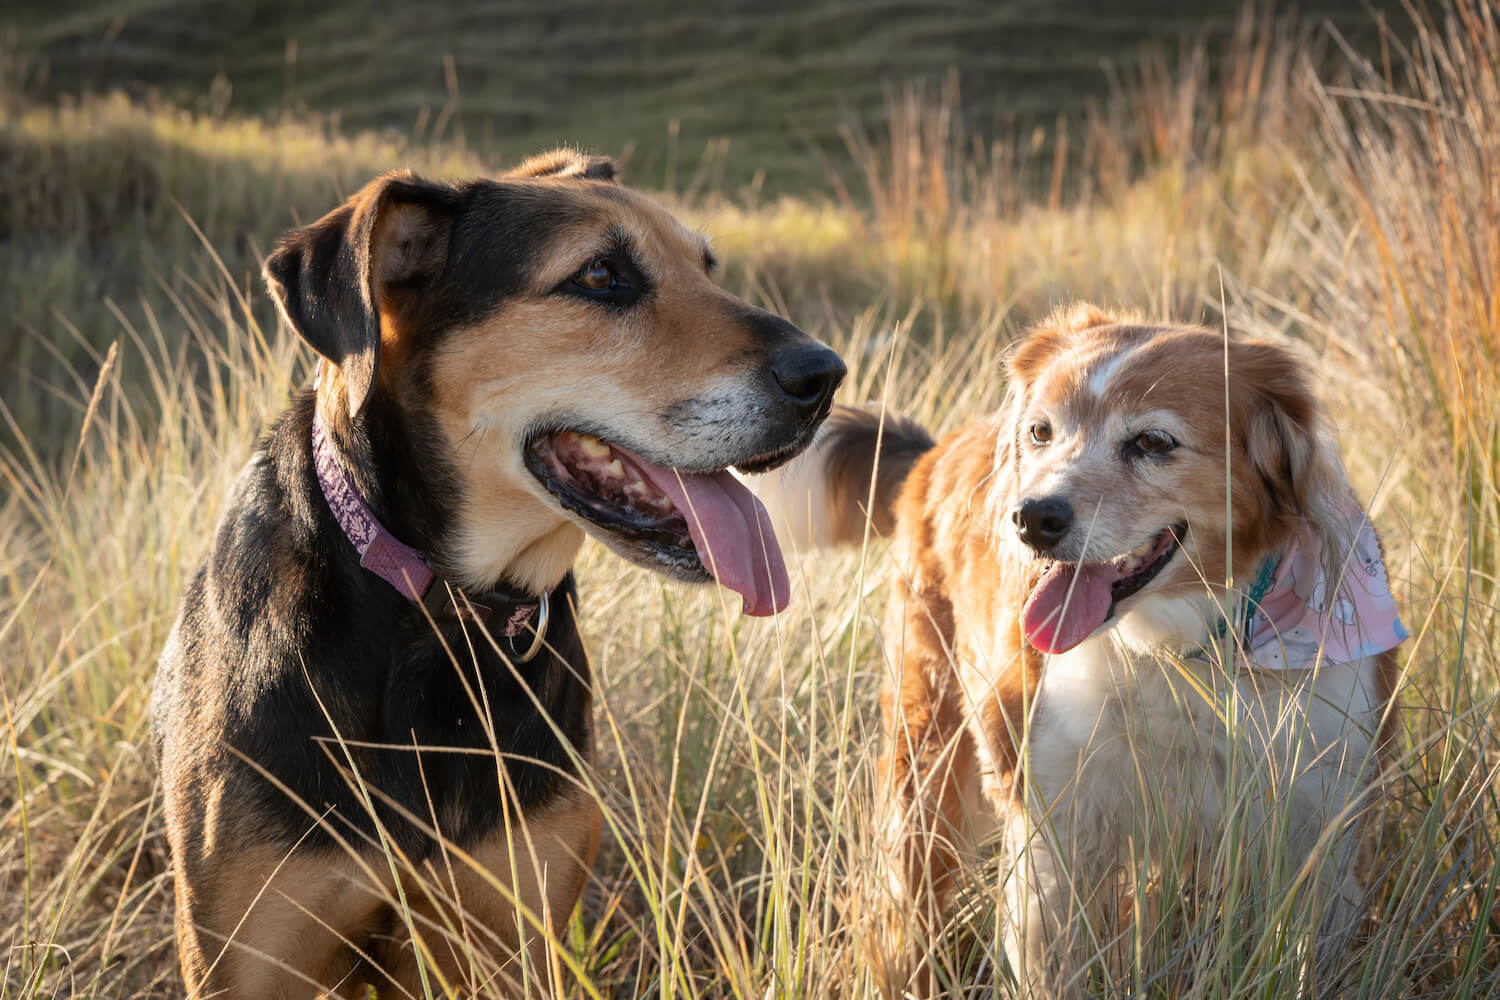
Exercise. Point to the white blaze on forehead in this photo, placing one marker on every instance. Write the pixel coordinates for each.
(1108, 366)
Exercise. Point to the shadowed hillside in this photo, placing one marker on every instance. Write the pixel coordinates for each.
(753, 88)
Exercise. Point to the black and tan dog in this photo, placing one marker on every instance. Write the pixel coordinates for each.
(507, 364)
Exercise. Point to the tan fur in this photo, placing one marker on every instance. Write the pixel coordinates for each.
(475, 905)
(958, 692)
(961, 701)
(261, 924)
(291, 926)
(685, 374)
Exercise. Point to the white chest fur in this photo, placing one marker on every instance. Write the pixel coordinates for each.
(1125, 744)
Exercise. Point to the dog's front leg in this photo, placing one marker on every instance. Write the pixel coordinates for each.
(929, 799)
(1043, 918)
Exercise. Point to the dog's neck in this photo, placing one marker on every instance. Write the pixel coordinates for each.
(415, 496)
(531, 550)
(407, 570)
(1179, 624)
(402, 480)
(1297, 609)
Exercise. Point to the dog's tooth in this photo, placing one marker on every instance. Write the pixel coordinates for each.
(614, 469)
(593, 447)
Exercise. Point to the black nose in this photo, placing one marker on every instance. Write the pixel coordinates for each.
(1042, 523)
(807, 377)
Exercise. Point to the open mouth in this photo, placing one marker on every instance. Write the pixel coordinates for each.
(1072, 600)
(694, 526)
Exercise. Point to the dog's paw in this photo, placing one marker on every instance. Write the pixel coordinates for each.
(892, 949)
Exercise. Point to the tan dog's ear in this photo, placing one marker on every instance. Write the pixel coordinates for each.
(1288, 441)
(1032, 354)
(328, 278)
(567, 163)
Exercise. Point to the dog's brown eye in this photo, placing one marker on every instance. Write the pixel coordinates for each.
(610, 280)
(1041, 433)
(598, 276)
(1154, 442)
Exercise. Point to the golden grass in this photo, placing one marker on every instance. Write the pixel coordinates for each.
(1356, 212)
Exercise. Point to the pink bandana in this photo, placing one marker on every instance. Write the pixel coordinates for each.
(1300, 619)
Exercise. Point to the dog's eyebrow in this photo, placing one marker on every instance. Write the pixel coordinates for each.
(617, 239)
(614, 240)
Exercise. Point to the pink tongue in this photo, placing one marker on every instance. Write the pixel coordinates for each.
(732, 533)
(1069, 603)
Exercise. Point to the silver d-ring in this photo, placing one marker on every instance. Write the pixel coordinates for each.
(539, 637)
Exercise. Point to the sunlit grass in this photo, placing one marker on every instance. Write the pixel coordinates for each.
(737, 757)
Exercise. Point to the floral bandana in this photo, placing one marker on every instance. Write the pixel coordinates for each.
(1292, 620)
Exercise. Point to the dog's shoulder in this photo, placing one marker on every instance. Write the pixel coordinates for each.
(965, 585)
(947, 517)
(256, 577)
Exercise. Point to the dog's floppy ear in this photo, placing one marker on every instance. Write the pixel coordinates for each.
(567, 163)
(328, 278)
(1288, 440)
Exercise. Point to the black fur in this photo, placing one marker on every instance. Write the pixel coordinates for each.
(284, 638)
(304, 704)
(281, 625)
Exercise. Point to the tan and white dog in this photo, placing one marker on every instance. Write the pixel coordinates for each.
(1069, 673)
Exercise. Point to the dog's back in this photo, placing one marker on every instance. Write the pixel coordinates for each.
(844, 487)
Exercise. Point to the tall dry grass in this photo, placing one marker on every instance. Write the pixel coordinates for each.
(1353, 209)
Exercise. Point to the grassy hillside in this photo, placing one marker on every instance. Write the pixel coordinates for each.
(1288, 197)
(751, 91)
(246, 118)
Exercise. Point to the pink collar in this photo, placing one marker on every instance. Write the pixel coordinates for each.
(1293, 619)
(402, 566)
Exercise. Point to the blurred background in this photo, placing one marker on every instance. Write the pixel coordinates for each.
(757, 88)
(132, 133)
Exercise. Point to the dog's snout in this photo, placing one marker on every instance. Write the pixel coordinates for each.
(807, 376)
(1042, 523)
